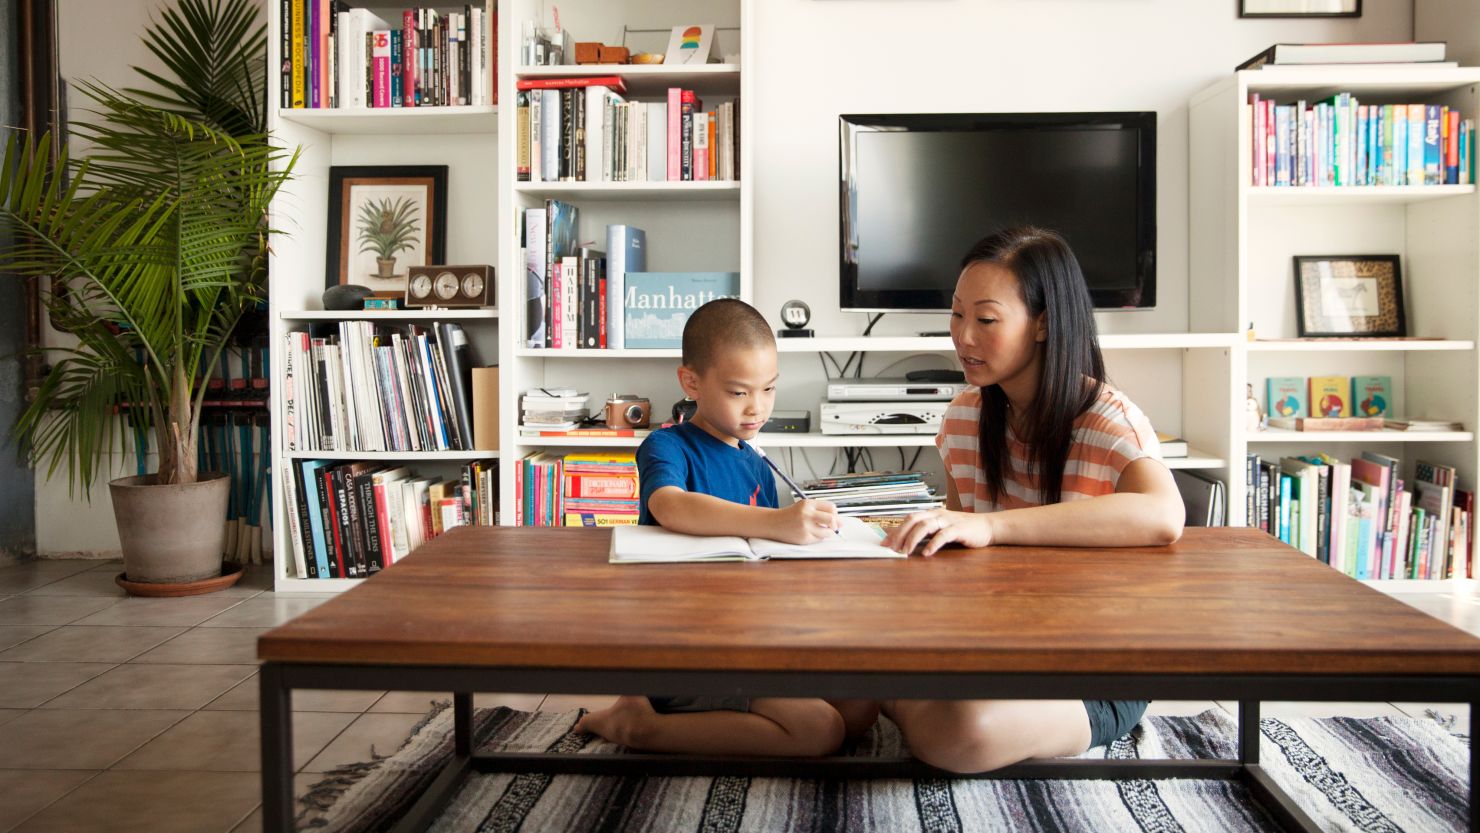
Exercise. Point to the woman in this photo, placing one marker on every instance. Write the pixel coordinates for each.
(1040, 450)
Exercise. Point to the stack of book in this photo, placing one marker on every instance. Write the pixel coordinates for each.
(584, 130)
(601, 488)
(538, 482)
(337, 56)
(552, 410)
(871, 495)
(1359, 517)
(351, 520)
(374, 387)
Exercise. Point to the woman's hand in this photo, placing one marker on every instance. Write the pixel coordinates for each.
(934, 529)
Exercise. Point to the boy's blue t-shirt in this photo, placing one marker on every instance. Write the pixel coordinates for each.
(686, 456)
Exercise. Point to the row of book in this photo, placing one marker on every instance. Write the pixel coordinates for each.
(1340, 141)
(374, 387)
(352, 520)
(585, 130)
(873, 495)
(337, 56)
(1329, 396)
(1361, 518)
(577, 488)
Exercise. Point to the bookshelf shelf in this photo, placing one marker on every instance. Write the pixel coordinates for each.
(326, 586)
(1195, 459)
(395, 121)
(389, 315)
(942, 344)
(1359, 345)
(1363, 194)
(390, 455)
(1279, 435)
(569, 353)
(649, 80)
(667, 191)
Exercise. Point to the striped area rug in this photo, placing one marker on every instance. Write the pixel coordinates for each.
(1386, 774)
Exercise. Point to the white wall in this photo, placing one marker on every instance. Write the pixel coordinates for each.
(819, 58)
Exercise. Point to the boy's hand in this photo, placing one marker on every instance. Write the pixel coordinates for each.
(805, 522)
(929, 531)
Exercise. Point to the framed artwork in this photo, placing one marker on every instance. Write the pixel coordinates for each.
(1349, 295)
(690, 44)
(1299, 8)
(383, 219)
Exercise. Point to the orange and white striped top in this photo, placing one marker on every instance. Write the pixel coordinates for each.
(1106, 439)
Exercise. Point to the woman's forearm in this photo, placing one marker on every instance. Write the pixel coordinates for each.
(1125, 519)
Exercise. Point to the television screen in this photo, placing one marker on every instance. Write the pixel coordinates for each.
(919, 190)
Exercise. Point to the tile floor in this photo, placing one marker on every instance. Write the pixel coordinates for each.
(122, 714)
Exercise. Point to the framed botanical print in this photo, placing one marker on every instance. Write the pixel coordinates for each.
(382, 220)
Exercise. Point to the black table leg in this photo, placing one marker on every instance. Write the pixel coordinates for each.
(1248, 731)
(1474, 776)
(276, 703)
(462, 722)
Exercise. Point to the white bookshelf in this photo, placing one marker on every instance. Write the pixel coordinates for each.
(464, 139)
(1242, 240)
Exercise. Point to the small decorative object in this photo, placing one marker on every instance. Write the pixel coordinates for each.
(615, 54)
(795, 315)
(690, 44)
(346, 296)
(647, 58)
(382, 303)
(628, 410)
(588, 52)
(1253, 414)
(683, 410)
(1300, 8)
(449, 286)
(383, 219)
(1349, 295)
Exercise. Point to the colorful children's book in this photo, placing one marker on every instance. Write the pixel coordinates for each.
(1285, 396)
(1330, 396)
(1372, 396)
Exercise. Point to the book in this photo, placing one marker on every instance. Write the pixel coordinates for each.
(613, 82)
(1422, 425)
(1328, 423)
(1285, 396)
(1171, 446)
(627, 252)
(656, 305)
(1329, 396)
(1203, 497)
(656, 545)
(1404, 52)
(1372, 396)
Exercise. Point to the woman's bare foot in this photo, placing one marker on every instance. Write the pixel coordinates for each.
(624, 722)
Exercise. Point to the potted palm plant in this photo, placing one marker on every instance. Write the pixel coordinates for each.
(387, 228)
(155, 244)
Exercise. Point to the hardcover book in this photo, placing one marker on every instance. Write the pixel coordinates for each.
(1285, 396)
(1372, 396)
(1329, 396)
(627, 248)
(656, 305)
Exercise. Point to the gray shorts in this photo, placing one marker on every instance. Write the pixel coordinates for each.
(1109, 720)
(673, 705)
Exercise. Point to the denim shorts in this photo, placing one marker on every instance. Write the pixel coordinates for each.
(1109, 720)
(672, 705)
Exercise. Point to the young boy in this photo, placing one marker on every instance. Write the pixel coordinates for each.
(701, 477)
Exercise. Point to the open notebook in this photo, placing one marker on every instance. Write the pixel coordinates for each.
(654, 544)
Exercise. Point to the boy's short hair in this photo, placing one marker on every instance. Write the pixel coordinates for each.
(723, 324)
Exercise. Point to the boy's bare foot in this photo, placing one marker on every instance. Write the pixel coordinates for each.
(624, 722)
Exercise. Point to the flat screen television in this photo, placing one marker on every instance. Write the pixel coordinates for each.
(918, 190)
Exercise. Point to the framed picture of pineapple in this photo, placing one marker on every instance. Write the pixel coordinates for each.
(383, 219)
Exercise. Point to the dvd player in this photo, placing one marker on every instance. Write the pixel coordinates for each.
(882, 417)
(891, 390)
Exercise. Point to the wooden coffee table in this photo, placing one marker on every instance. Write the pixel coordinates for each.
(1224, 614)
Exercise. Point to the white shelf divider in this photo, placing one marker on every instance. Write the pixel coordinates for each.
(1353, 194)
(1279, 435)
(713, 190)
(389, 455)
(1339, 345)
(388, 315)
(370, 121)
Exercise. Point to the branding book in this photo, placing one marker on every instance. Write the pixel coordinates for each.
(656, 305)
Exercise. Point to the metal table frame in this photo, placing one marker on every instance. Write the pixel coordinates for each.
(278, 679)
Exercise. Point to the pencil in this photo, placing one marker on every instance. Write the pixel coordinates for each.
(791, 484)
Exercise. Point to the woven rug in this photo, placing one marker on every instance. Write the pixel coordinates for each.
(1389, 774)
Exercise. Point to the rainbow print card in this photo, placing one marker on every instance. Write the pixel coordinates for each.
(690, 44)
(1285, 396)
(1372, 396)
(1330, 396)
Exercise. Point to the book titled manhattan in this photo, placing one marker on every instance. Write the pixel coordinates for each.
(656, 545)
(1347, 53)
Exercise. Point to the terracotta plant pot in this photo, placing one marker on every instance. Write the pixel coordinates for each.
(171, 534)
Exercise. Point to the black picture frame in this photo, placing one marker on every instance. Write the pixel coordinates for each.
(1349, 296)
(350, 186)
(1292, 8)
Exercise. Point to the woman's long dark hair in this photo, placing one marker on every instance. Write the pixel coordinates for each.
(1051, 282)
